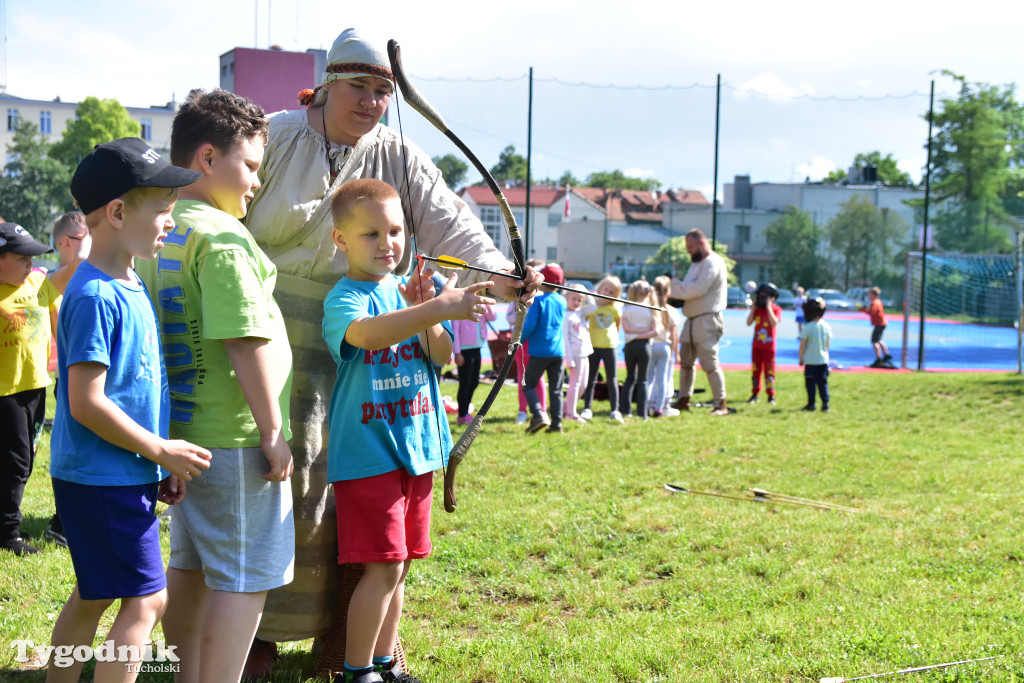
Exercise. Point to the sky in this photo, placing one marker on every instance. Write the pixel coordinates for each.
(630, 86)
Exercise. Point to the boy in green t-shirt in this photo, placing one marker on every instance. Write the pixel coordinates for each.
(229, 369)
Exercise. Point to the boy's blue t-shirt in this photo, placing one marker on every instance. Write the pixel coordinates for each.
(384, 407)
(817, 334)
(542, 328)
(113, 323)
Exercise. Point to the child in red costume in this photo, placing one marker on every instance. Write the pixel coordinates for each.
(764, 316)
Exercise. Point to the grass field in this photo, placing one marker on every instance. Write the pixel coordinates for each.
(567, 559)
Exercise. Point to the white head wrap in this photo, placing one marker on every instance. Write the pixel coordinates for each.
(352, 56)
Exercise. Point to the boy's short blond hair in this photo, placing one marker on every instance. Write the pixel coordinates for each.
(877, 291)
(67, 223)
(354, 191)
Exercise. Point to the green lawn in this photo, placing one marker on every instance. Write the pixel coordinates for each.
(568, 560)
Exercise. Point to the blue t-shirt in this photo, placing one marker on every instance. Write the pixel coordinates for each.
(817, 334)
(113, 323)
(384, 407)
(542, 328)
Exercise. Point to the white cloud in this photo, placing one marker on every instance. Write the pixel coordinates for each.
(640, 173)
(770, 85)
(815, 169)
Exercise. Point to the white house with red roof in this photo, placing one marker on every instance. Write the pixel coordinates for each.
(587, 230)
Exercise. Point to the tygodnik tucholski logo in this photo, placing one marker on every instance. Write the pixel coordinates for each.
(138, 660)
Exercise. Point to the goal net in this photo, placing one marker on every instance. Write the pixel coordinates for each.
(972, 311)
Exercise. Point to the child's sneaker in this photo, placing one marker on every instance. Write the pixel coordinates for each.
(396, 675)
(808, 408)
(616, 416)
(538, 422)
(351, 677)
(670, 412)
(824, 407)
(752, 399)
(771, 400)
(554, 429)
(465, 420)
(586, 413)
(576, 418)
(521, 417)
(19, 547)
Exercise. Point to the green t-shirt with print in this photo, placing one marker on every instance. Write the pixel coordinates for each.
(209, 283)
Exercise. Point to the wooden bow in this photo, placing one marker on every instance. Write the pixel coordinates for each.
(417, 102)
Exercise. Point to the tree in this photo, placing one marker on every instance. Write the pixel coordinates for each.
(453, 170)
(864, 236)
(976, 154)
(672, 257)
(618, 180)
(793, 241)
(510, 166)
(96, 121)
(888, 170)
(34, 186)
(568, 178)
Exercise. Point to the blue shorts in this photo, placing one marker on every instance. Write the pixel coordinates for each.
(114, 537)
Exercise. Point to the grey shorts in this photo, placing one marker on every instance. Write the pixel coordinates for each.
(234, 525)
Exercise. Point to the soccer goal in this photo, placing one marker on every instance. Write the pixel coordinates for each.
(973, 305)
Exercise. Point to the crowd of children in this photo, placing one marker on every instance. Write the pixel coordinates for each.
(174, 370)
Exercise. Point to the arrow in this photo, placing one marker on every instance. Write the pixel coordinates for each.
(458, 264)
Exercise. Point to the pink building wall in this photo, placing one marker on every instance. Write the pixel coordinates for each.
(271, 78)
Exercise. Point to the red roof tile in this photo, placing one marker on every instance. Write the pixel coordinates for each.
(619, 205)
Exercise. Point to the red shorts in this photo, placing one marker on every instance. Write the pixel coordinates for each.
(385, 518)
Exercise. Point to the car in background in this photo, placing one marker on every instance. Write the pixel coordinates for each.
(834, 299)
(737, 298)
(859, 296)
(785, 299)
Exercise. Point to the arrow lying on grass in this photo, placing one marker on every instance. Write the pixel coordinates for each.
(912, 670)
(453, 263)
(762, 496)
(783, 498)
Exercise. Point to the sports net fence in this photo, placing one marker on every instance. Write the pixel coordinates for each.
(972, 308)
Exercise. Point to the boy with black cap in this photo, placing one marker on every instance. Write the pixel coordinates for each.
(28, 306)
(230, 379)
(110, 458)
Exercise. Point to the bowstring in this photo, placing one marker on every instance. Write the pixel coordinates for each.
(435, 381)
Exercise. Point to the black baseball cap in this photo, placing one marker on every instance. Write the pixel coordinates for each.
(113, 168)
(15, 239)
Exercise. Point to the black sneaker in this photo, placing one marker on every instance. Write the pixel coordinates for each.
(824, 407)
(809, 408)
(555, 428)
(752, 399)
(771, 400)
(55, 532)
(396, 674)
(19, 547)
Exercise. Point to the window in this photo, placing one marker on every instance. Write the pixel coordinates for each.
(490, 216)
(147, 129)
(44, 123)
(552, 254)
(742, 237)
(12, 119)
(554, 219)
